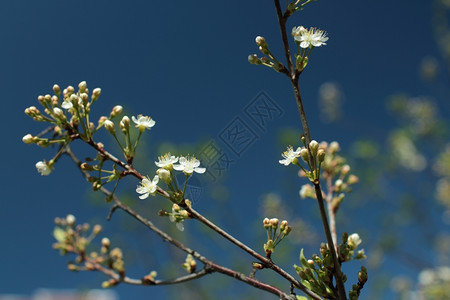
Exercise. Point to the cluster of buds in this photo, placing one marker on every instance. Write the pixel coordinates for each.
(268, 59)
(178, 215)
(334, 170)
(276, 232)
(75, 239)
(313, 155)
(72, 238)
(356, 288)
(317, 273)
(141, 122)
(190, 265)
(66, 111)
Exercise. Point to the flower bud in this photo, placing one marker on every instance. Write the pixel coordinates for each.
(164, 175)
(69, 90)
(59, 114)
(321, 155)
(117, 110)
(352, 179)
(274, 223)
(304, 154)
(307, 191)
(314, 146)
(74, 99)
(96, 93)
(109, 125)
(125, 124)
(82, 86)
(353, 241)
(260, 41)
(41, 99)
(283, 225)
(28, 139)
(56, 89)
(345, 169)
(86, 167)
(84, 98)
(102, 120)
(105, 242)
(70, 219)
(97, 229)
(42, 167)
(55, 101)
(334, 147)
(253, 59)
(48, 99)
(266, 223)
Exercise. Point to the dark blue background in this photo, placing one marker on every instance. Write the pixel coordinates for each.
(185, 64)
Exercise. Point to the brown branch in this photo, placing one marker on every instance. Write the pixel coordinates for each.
(337, 266)
(210, 266)
(125, 279)
(282, 19)
(268, 263)
(195, 215)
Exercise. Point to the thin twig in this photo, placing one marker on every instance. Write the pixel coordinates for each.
(209, 265)
(268, 263)
(205, 221)
(282, 19)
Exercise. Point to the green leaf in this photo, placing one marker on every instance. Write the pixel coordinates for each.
(306, 283)
(301, 297)
(297, 268)
(303, 260)
(59, 234)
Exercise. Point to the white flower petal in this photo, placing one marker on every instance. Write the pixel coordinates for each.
(144, 196)
(200, 170)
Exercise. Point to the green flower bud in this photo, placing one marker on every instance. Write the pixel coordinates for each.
(304, 154)
(321, 155)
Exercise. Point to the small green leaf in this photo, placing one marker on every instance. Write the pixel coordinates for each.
(59, 234)
(303, 259)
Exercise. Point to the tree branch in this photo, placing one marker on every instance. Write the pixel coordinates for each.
(294, 81)
(210, 266)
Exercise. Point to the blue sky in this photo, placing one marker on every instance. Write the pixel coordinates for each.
(185, 64)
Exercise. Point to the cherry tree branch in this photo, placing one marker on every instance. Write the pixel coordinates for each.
(194, 214)
(282, 19)
(210, 266)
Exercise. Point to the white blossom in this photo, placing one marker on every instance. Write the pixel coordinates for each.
(147, 187)
(189, 165)
(290, 156)
(43, 168)
(166, 161)
(353, 241)
(143, 122)
(309, 38)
